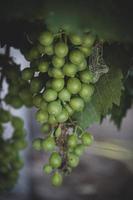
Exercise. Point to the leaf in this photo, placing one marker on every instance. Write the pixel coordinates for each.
(107, 92)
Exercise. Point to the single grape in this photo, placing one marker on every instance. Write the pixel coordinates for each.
(62, 116)
(88, 40)
(49, 50)
(37, 99)
(70, 69)
(79, 149)
(73, 85)
(87, 139)
(47, 169)
(41, 116)
(49, 95)
(86, 76)
(35, 85)
(32, 54)
(43, 105)
(52, 120)
(72, 141)
(56, 179)
(43, 66)
(58, 132)
(27, 74)
(69, 109)
(4, 116)
(17, 122)
(46, 38)
(40, 49)
(58, 62)
(86, 91)
(55, 160)
(64, 95)
(73, 160)
(57, 84)
(54, 108)
(45, 128)
(48, 144)
(83, 65)
(86, 51)
(75, 39)
(76, 57)
(77, 104)
(57, 73)
(61, 49)
(14, 100)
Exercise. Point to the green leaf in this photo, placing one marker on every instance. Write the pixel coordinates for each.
(107, 92)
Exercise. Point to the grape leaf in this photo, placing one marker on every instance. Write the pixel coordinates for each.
(107, 92)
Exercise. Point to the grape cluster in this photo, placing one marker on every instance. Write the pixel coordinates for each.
(10, 160)
(61, 83)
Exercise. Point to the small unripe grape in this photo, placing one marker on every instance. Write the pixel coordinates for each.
(86, 91)
(35, 85)
(58, 132)
(47, 169)
(50, 95)
(87, 139)
(27, 74)
(69, 109)
(76, 57)
(56, 179)
(46, 38)
(48, 144)
(73, 85)
(17, 122)
(43, 105)
(83, 65)
(57, 73)
(72, 141)
(86, 76)
(75, 39)
(57, 84)
(79, 149)
(49, 50)
(37, 100)
(58, 62)
(64, 95)
(41, 116)
(40, 48)
(63, 116)
(61, 49)
(54, 108)
(77, 104)
(86, 51)
(55, 160)
(88, 40)
(32, 54)
(73, 160)
(70, 69)
(15, 101)
(43, 66)
(52, 120)
(45, 128)
(4, 116)
(37, 144)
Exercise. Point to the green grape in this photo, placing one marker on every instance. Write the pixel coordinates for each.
(79, 149)
(62, 116)
(73, 160)
(17, 122)
(26, 97)
(48, 144)
(27, 74)
(61, 49)
(72, 140)
(58, 132)
(20, 144)
(52, 120)
(86, 76)
(43, 66)
(64, 95)
(13, 89)
(57, 84)
(43, 105)
(55, 160)
(45, 128)
(87, 138)
(73, 85)
(86, 51)
(57, 179)
(47, 169)
(58, 62)
(69, 109)
(70, 69)
(37, 99)
(35, 85)
(76, 57)
(57, 73)
(19, 133)
(40, 48)
(75, 39)
(46, 38)
(49, 50)
(50, 95)
(86, 92)
(14, 100)
(77, 104)
(83, 65)
(41, 116)
(4, 116)
(88, 40)
(32, 54)
(54, 108)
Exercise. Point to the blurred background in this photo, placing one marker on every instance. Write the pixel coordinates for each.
(105, 171)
